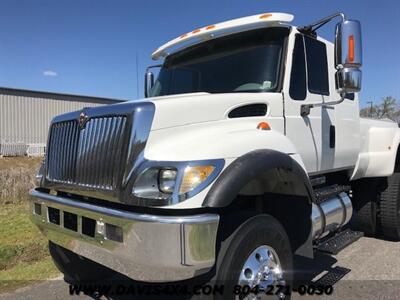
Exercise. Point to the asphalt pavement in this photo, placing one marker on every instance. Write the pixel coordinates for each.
(367, 269)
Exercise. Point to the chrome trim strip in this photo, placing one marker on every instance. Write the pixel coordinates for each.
(142, 120)
(194, 219)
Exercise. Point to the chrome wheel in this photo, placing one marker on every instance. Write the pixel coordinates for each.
(261, 268)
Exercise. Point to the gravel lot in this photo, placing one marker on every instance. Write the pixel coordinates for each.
(371, 270)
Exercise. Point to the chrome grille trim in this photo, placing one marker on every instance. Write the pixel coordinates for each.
(89, 157)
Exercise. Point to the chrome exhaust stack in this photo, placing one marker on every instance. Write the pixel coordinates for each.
(330, 215)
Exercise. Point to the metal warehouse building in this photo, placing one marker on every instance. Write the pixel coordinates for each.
(25, 117)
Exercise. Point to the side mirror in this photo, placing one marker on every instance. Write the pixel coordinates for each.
(148, 83)
(348, 56)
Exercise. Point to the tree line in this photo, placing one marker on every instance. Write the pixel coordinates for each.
(387, 108)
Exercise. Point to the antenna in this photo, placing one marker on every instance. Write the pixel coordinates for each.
(137, 76)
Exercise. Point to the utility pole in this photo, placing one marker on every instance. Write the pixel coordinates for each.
(370, 110)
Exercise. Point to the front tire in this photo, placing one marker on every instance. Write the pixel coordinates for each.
(258, 254)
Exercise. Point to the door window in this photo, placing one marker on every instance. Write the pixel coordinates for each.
(317, 66)
(298, 81)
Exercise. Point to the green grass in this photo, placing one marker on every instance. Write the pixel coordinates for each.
(24, 274)
(24, 256)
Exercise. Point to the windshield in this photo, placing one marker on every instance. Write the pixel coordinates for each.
(245, 62)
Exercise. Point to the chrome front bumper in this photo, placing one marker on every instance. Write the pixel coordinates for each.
(144, 247)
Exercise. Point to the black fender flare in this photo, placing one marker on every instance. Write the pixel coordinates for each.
(249, 166)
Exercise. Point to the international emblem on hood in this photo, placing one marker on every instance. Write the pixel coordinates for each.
(83, 118)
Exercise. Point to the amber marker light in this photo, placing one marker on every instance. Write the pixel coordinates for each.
(194, 176)
(265, 16)
(351, 48)
(263, 126)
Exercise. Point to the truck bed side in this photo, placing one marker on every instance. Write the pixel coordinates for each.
(378, 149)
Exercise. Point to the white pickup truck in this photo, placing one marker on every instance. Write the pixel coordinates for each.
(248, 150)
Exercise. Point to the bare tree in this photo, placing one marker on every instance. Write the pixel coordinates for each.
(388, 108)
(369, 112)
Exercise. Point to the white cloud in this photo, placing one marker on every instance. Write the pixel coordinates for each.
(50, 73)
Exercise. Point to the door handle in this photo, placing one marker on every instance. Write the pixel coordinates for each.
(332, 136)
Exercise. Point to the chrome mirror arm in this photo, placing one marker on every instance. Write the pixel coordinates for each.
(318, 24)
(305, 108)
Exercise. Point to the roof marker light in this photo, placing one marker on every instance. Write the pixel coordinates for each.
(265, 16)
(196, 31)
(210, 27)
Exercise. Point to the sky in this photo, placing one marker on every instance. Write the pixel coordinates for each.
(94, 47)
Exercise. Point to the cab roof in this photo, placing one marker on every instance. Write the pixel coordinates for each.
(221, 29)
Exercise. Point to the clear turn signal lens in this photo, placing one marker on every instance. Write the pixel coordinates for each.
(194, 176)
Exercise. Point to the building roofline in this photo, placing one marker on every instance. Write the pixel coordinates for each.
(57, 96)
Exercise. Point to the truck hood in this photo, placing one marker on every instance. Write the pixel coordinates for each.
(185, 109)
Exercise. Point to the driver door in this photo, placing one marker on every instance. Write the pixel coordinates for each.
(312, 135)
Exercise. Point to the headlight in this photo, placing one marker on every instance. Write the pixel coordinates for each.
(175, 181)
(166, 180)
(155, 183)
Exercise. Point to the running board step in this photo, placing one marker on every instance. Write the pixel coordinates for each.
(339, 241)
(332, 276)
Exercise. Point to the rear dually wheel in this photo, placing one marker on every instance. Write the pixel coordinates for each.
(390, 208)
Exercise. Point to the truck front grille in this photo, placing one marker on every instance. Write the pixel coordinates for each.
(90, 156)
